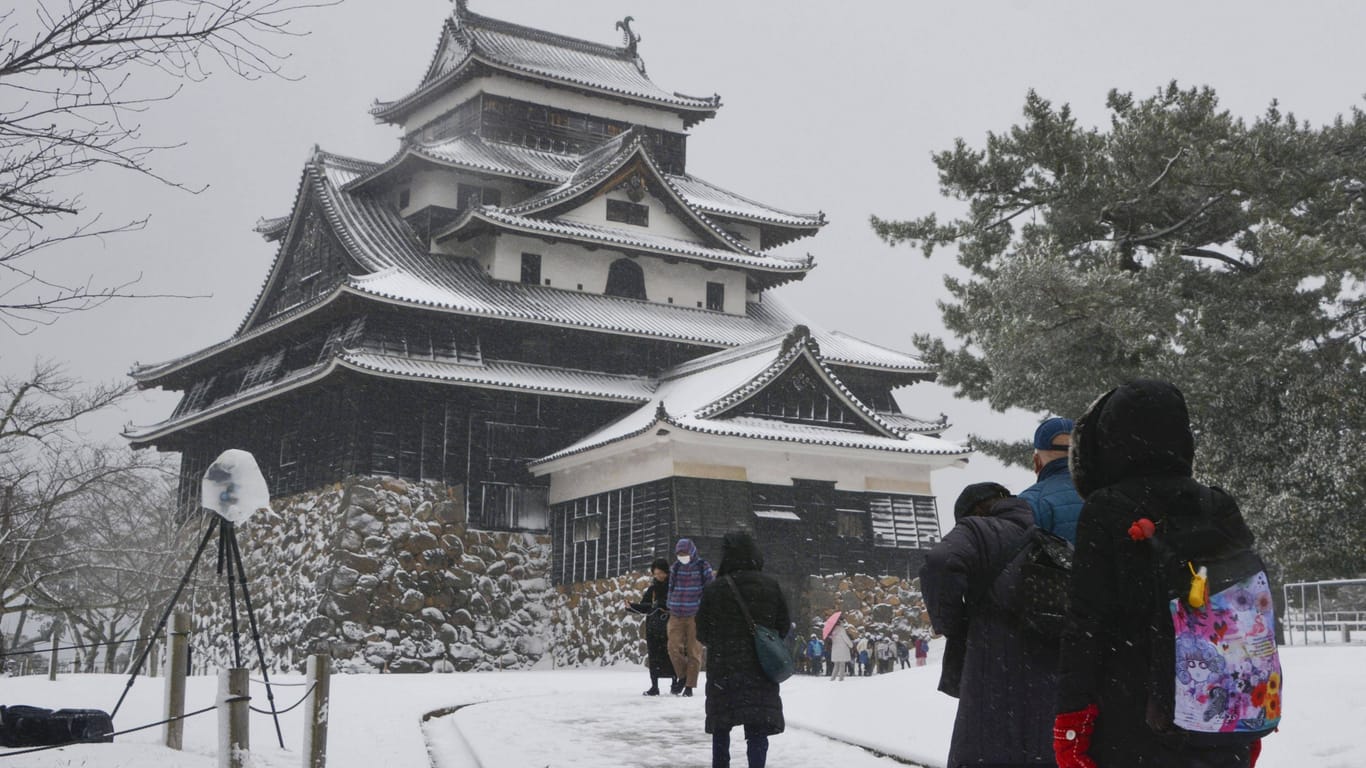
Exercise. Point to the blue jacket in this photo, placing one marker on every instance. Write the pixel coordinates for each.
(1055, 501)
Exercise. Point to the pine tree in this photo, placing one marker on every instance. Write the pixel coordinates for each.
(1179, 242)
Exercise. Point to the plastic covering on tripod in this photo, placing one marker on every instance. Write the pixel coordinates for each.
(234, 487)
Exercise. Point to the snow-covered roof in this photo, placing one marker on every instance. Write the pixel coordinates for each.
(702, 395)
(490, 374)
(614, 236)
(474, 153)
(398, 270)
(472, 44)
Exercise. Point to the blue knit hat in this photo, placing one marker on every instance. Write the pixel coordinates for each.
(1043, 436)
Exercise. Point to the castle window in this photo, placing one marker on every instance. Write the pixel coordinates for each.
(625, 278)
(904, 522)
(716, 296)
(289, 449)
(404, 197)
(588, 528)
(531, 268)
(628, 213)
(473, 196)
(851, 523)
(559, 119)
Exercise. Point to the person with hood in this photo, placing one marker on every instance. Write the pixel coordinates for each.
(654, 603)
(997, 669)
(738, 691)
(687, 577)
(840, 650)
(1053, 498)
(1132, 455)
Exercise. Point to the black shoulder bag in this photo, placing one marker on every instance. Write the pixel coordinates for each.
(773, 656)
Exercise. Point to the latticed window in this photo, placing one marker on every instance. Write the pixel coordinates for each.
(905, 522)
(197, 397)
(587, 528)
(263, 371)
(507, 506)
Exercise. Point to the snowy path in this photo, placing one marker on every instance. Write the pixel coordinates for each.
(612, 729)
(597, 717)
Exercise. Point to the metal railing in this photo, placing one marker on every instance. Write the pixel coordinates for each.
(1343, 614)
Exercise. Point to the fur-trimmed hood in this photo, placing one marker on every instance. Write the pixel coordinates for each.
(1137, 429)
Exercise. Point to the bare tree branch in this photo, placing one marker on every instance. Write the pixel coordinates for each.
(74, 80)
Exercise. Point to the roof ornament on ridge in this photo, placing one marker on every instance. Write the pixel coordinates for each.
(631, 40)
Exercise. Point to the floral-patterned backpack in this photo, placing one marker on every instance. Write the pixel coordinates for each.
(1216, 673)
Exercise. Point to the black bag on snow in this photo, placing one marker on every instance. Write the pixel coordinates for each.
(1032, 586)
(25, 726)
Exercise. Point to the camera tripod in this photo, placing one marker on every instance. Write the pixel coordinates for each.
(229, 560)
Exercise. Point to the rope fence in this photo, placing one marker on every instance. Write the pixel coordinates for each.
(301, 700)
(37, 651)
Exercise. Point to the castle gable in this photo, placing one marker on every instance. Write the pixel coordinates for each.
(311, 263)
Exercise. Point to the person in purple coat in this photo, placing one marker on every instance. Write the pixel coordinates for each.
(687, 577)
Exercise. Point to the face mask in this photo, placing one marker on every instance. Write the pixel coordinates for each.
(685, 559)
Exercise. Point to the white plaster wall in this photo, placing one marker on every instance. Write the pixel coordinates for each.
(662, 221)
(568, 266)
(439, 186)
(611, 109)
(651, 457)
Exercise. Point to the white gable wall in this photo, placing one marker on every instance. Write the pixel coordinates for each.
(683, 454)
(439, 186)
(555, 98)
(662, 221)
(568, 265)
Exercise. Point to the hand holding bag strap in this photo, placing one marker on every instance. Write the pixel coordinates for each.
(740, 601)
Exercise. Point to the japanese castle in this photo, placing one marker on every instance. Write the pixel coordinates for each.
(536, 305)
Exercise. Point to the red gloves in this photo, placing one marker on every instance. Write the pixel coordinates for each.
(1256, 752)
(1072, 737)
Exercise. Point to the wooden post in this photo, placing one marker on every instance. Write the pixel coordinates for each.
(234, 740)
(315, 721)
(177, 644)
(52, 659)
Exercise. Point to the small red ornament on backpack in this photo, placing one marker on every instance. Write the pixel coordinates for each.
(1142, 528)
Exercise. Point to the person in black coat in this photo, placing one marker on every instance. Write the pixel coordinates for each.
(1132, 456)
(654, 603)
(738, 692)
(1001, 672)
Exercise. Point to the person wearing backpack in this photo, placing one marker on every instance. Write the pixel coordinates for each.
(997, 668)
(1132, 454)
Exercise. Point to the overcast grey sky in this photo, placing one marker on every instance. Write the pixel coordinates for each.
(826, 106)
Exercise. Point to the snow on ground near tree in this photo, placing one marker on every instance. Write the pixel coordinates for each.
(597, 717)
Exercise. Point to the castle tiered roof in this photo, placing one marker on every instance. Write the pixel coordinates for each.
(472, 45)
(396, 269)
(557, 171)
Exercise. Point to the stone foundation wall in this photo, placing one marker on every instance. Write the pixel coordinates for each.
(886, 606)
(385, 576)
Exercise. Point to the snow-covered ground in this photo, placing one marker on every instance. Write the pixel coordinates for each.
(597, 717)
